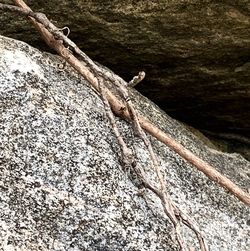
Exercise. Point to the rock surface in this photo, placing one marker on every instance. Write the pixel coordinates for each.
(195, 52)
(62, 186)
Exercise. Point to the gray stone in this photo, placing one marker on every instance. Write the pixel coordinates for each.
(62, 185)
(195, 52)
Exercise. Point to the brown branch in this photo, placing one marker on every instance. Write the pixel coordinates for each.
(127, 158)
(201, 165)
(127, 153)
(137, 79)
(118, 107)
(171, 210)
(129, 113)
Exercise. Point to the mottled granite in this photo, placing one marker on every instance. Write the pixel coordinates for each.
(62, 185)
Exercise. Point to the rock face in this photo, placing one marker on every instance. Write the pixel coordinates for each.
(195, 53)
(62, 186)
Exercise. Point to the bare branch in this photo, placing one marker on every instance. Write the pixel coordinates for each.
(137, 79)
(118, 107)
(123, 107)
(127, 155)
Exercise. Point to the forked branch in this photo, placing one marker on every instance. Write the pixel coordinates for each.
(123, 107)
(57, 43)
(117, 104)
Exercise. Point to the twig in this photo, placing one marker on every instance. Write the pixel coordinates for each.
(127, 153)
(128, 161)
(137, 79)
(118, 107)
(171, 210)
(126, 111)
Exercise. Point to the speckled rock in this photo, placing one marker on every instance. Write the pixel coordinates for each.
(195, 52)
(62, 185)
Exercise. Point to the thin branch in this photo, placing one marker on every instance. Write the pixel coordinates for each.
(57, 41)
(118, 107)
(170, 209)
(127, 155)
(137, 79)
